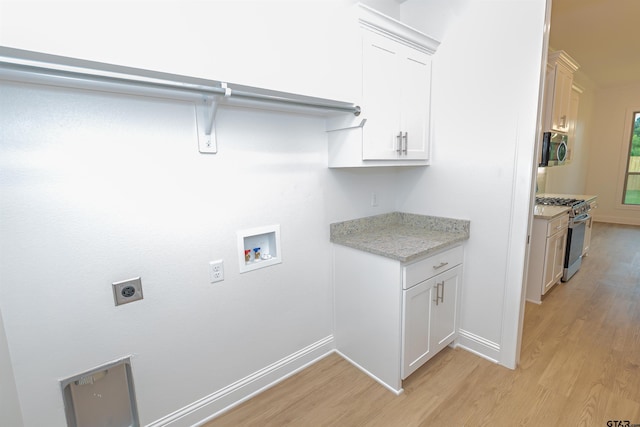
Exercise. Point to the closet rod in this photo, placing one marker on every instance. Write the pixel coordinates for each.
(59, 72)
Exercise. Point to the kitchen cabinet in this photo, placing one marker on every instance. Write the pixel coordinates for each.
(559, 82)
(391, 317)
(593, 204)
(573, 121)
(397, 114)
(394, 127)
(430, 312)
(546, 256)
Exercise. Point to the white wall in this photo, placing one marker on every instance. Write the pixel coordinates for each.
(388, 7)
(433, 17)
(608, 150)
(486, 79)
(287, 45)
(10, 414)
(98, 187)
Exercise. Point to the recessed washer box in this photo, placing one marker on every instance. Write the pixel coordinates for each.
(263, 246)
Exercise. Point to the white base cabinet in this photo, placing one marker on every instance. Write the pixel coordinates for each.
(546, 257)
(390, 317)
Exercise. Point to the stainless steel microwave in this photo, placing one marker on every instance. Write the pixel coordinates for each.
(554, 149)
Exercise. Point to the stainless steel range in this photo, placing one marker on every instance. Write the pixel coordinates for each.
(578, 217)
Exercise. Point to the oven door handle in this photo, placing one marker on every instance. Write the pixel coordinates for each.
(580, 219)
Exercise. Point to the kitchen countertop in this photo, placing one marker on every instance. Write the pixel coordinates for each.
(401, 236)
(550, 212)
(587, 197)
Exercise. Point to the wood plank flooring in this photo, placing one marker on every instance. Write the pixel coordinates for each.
(580, 365)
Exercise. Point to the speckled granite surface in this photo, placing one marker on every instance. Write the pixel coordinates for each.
(549, 212)
(401, 236)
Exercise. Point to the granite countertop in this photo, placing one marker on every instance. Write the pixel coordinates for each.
(401, 236)
(587, 197)
(550, 212)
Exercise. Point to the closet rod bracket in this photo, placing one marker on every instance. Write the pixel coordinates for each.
(206, 121)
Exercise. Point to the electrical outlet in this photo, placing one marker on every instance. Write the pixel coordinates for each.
(374, 199)
(127, 291)
(216, 271)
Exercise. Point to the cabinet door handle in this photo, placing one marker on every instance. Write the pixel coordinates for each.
(564, 121)
(439, 296)
(442, 264)
(399, 141)
(405, 137)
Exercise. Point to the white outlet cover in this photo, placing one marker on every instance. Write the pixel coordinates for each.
(216, 271)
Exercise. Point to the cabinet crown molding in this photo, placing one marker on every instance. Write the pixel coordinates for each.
(562, 57)
(378, 22)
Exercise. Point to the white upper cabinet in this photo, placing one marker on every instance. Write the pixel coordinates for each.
(394, 127)
(396, 87)
(573, 122)
(560, 69)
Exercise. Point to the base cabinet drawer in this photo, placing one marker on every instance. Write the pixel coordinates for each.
(557, 225)
(429, 267)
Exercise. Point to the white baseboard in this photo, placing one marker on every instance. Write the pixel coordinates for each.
(385, 385)
(207, 408)
(478, 346)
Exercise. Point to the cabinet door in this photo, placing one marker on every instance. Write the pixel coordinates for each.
(573, 122)
(380, 97)
(554, 259)
(444, 308)
(587, 237)
(560, 245)
(415, 84)
(561, 99)
(415, 326)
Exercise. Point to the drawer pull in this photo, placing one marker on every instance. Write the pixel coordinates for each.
(442, 264)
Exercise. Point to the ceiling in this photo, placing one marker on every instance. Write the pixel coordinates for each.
(603, 36)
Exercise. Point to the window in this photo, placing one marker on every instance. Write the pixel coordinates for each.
(631, 194)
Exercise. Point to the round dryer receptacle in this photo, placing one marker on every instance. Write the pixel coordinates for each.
(128, 291)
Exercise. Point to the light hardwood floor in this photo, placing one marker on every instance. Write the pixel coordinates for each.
(580, 365)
